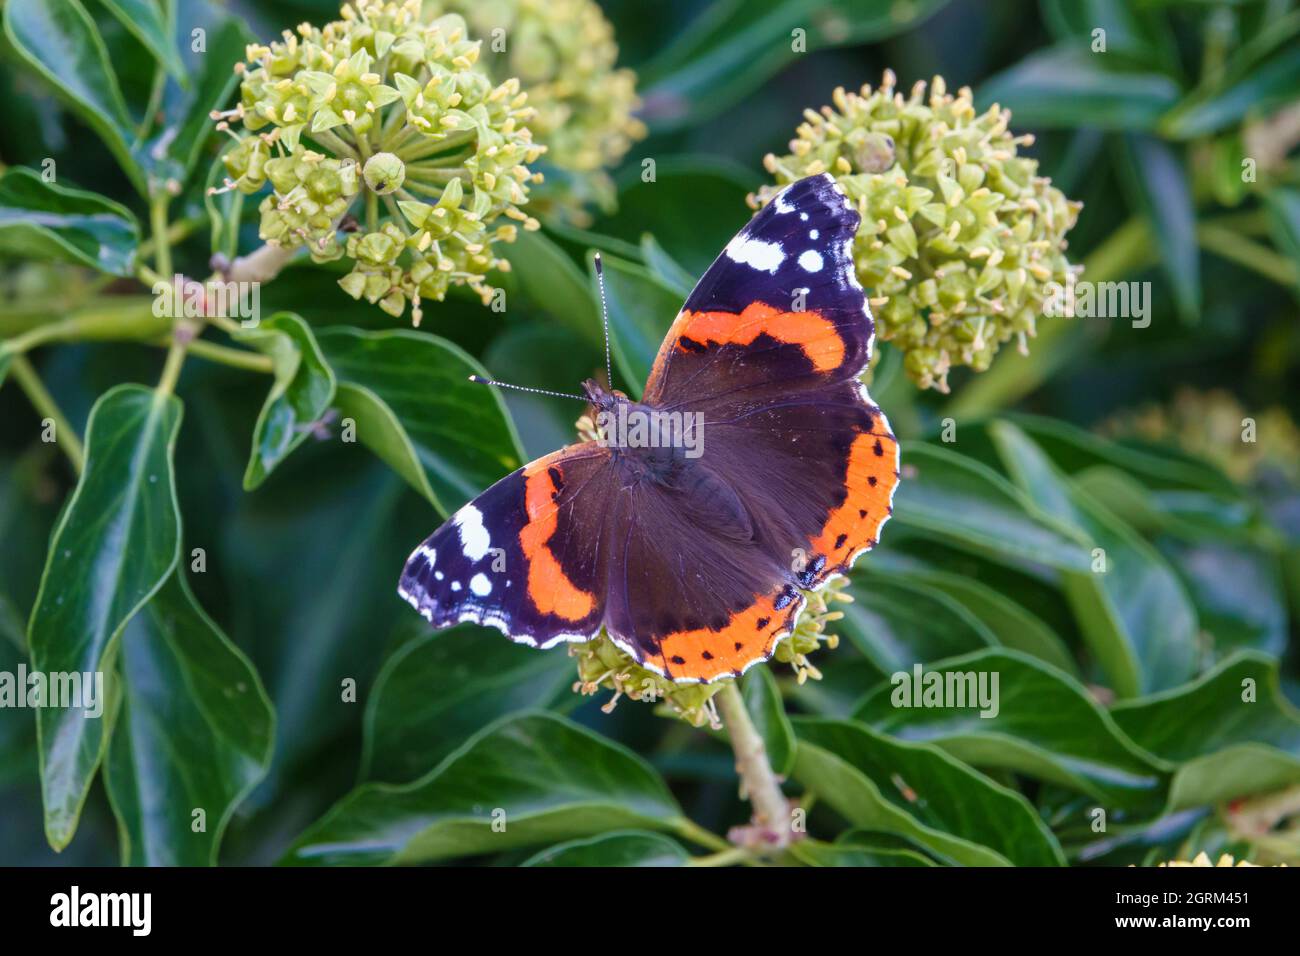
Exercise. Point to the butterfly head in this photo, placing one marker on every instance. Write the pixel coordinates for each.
(604, 400)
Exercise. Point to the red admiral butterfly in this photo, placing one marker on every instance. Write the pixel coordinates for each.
(694, 563)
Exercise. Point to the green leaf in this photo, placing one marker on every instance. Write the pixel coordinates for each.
(1045, 726)
(545, 778)
(413, 404)
(1231, 732)
(1068, 85)
(40, 220)
(437, 690)
(917, 791)
(665, 268)
(186, 125)
(1158, 185)
(553, 284)
(60, 42)
(1135, 614)
(817, 853)
(1283, 205)
(767, 711)
(733, 47)
(1248, 89)
(145, 20)
(622, 848)
(1139, 36)
(641, 309)
(967, 504)
(301, 395)
(896, 622)
(115, 544)
(1012, 624)
(693, 206)
(195, 732)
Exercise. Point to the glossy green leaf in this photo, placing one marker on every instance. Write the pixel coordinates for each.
(537, 777)
(693, 206)
(41, 220)
(919, 792)
(145, 20)
(413, 405)
(60, 42)
(1283, 205)
(1010, 623)
(553, 284)
(1257, 88)
(968, 504)
(1138, 35)
(665, 268)
(194, 733)
(115, 544)
(1135, 614)
(623, 848)
(300, 396)
(896, 622)
(767, 711)
(437, 690)
(1159, 186)
(176, 144)
(1043, 724)
(641, 309)
(733, 47)
(817, 853)
(1068, 85)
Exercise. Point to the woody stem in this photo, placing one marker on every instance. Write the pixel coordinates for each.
(758, 780)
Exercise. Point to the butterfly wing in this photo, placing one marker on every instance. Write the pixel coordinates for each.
(524, 556)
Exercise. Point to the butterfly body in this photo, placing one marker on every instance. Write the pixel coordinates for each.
(754, 467)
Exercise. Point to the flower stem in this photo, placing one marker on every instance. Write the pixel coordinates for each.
(162, 244)
(65, 435)
(688, 829)
(758, 780)
(224, 355)
(737, 854)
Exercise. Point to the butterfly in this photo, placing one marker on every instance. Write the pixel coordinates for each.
(694, 553)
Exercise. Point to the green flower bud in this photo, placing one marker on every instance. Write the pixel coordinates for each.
(960, 238)
(384, 173)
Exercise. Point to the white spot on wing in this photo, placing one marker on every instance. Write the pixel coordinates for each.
(764, 256)
(480, 585)
(814, 234)
(474, 538)
(455, 585)
(811, 260)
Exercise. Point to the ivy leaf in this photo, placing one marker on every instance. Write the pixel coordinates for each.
(1135, 614)
(1046, 726)
(413, 404)
(767, 711)
(1158, 185)
(1231, 732)
(919, 792)
(896, 622)
(194, 732)
(60, 42)
(553, 284)
(303, 390)
(546, 778)
(966, 503)
(115, 544)
(1068, 85)
(40, 220)
(145, 20)
(641, 308)
(817, 853)
(437, 690)
(623, 848)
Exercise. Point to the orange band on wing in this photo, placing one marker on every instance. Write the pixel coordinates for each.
(705, 654)
(816, 335)
(871, 479)
(548, 586)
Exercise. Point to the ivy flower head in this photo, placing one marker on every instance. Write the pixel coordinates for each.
(960, 239)
(380, 126)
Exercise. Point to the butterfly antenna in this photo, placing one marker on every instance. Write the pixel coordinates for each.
(604, 318)
(524, 388)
